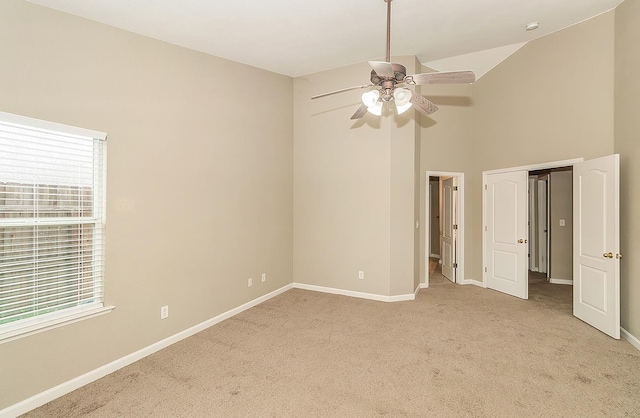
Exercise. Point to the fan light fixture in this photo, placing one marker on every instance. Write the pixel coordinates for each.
(401, 96)
(403, 108)
(376, 109)
(370, 98)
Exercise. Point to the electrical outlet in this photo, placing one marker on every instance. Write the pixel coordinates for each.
(264, 277)
(164, 312)
(250, 282)
(360, 274)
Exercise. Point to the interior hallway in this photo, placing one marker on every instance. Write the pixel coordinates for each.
(435, 273)
(558, 298)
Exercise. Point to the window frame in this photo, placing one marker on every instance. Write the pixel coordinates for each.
(29, 326)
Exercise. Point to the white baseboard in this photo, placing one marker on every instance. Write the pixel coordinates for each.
(561, 281)
(73, 384)
(354, 294)
(435, 256)
(424, 285)
(629, 337)
(415, 293)
(401, 298)
(472, 282)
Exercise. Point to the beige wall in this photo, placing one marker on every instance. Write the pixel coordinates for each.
(418, 208)
(353, 188)
(561, 237)
(446, 138)
(404, 142)
(551, 100)
(627, 144)
(199, 191)
(341, 186)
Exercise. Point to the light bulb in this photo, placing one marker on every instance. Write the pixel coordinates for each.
(402, 108)
(376, 109)
(401, 96)
(370, 98)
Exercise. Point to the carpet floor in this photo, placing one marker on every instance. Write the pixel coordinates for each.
(456, 351)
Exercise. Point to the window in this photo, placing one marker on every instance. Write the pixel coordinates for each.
(52, 198)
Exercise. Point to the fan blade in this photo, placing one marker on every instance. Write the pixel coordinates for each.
(364, 86)
(362, 110)
(422, 105)
(448, 77)
(382, 68)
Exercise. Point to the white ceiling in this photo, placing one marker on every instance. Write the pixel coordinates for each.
(299, 37)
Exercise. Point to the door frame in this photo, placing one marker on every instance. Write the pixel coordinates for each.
(543, 245)
(533, 223)
(459, 221)
(532, 167)
(430, 217)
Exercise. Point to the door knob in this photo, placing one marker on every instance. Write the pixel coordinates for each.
(608, 255)
(520, 241)
(618, 256)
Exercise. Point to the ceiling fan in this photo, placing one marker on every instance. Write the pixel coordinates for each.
(390, 78)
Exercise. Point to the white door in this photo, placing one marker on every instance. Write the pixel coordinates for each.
(596, 243)
(449, 226)
(506, 233)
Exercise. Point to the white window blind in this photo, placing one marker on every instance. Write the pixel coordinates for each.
(52, 191)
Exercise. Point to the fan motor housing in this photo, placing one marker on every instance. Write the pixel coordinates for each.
(399, 71)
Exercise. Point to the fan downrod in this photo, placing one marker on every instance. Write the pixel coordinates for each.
(388, 56)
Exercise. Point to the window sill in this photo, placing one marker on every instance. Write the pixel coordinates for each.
(10, 332)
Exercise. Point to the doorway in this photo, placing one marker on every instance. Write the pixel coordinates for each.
(551, 224)
(595, 245)
(444, 228)
(538, 222)
(550, 275)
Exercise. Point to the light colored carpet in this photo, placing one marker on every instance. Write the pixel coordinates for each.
(456, 351)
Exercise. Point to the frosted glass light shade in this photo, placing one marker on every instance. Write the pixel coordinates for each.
(376, 109)
(401, 96)
(370, 98)
(402, 108)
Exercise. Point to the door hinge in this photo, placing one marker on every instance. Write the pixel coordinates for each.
(455, 226)
(485, 187)
(485, 228)
(455, 188)
(455, 265)
(485, 269)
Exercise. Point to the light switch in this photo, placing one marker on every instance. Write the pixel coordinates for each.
(561, 222)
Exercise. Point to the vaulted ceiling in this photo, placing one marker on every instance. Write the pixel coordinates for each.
(298, 37)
